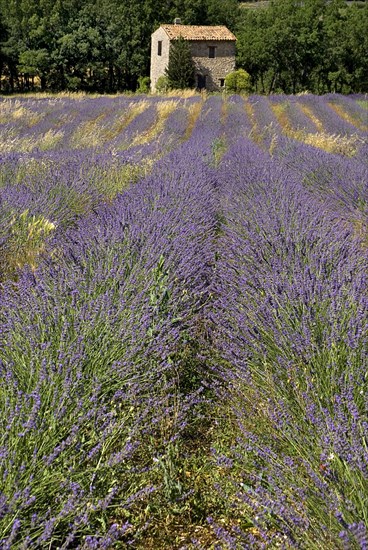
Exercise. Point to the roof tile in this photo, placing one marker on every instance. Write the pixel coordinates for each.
(198, 32)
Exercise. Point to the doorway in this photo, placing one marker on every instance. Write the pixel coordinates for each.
(201, 79)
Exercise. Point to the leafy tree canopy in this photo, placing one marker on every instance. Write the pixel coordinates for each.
(104, 45)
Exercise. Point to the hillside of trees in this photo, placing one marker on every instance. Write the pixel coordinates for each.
(104, 45)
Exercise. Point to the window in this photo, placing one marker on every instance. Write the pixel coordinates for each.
(222, 82)
(159, 47)
(211, 52)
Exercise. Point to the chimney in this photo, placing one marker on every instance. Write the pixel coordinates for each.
(177, 21)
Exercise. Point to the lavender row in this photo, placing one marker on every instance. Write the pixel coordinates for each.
(298, 119)
(339, 180)
(331, 121)
(90, 355)
(290, 320)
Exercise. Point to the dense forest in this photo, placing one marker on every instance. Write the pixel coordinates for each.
(104, 45)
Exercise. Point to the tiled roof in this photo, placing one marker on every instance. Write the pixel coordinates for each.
(198, 32)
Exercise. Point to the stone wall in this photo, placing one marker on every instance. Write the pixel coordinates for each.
(159, 62)
(214, 69)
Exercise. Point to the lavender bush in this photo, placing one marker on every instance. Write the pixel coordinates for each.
(292, 301)
(183, 323)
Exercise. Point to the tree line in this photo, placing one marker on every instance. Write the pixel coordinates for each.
(91, 45)
(311, 45)
(104, 45)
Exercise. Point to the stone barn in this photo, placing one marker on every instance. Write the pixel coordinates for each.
(213, 52)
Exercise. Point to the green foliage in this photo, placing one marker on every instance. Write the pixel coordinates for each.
(104, 45)
(180, 70)
(219, 148)
(144, 84)
(238, 82)
(162, 84)
(314, 46)
(24, 242)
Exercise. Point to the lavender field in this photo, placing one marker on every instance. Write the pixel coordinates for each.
(184, 322)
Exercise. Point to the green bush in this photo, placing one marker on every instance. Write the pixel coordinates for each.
(144, 83)
(238, 82)
(162, 84)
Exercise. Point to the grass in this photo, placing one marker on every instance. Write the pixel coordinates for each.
(94, 134)
(331, 143)
(12, 109)
(194, 111)
(363, 103)
(164, 109)
(345, 115)
(25, 243)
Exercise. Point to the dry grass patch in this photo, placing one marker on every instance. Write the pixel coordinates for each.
(308, 111)
(9, 142)
(11, 110)
(50, 139)
(164, 109)
(88, 134)
(25, 243)
(332, 143)
(255, 134)
(132, 111)
(342, 113)
(184, 94)
(194, 111)
(280, 111)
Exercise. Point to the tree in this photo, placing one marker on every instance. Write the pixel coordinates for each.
(34, 63)
(181, 70)
(238, 82)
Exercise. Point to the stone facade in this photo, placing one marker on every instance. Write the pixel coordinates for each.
(213, 52)
(159, 62)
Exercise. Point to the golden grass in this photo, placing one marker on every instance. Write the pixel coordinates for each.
(194, 111)
(9, 142)
(164, 109)
(332, 143)
(184, 94)
(308, 111)
(258, 134)
(49, 139)
(11, 110)
(88, 134)
(280, 111)
(224, 111)
(250, 111)
(361, 231)
(342, 113)
(93, 133)
(131, 112)
(254, 133)
(26, 242)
